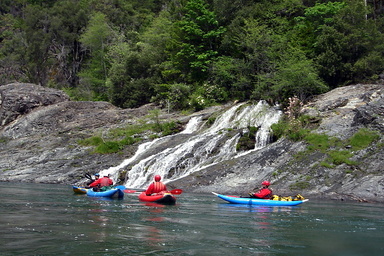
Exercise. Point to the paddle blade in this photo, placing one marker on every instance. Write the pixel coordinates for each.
(176, 191)
(122, 187)
(88, 176)
(130, 191)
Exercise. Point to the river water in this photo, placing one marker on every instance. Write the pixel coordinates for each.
(45, 219)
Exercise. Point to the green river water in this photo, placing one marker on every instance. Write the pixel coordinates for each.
(47, 219)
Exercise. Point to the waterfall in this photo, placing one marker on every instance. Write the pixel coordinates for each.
(192, 125)
(200, 149)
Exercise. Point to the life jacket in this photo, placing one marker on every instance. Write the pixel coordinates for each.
(264, 193)
(158, 187)
(105, 181)
(269, 196)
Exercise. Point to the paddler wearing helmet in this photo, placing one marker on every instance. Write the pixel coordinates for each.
(156, 187)
(264, 193)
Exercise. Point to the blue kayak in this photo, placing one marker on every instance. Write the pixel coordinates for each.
(112, 193)
(257, 201)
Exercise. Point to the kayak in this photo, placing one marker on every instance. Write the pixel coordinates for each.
(79, 190)
(257, 201)
(164, 198)
(112, 193)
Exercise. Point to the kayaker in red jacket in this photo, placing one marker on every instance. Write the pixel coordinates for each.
(156, 187)
(97, 176)
(102, 182)
(264, 193)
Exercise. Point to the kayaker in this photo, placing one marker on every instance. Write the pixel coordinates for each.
(264, 193)
(97, 176)
(102, 183)
(156, 187)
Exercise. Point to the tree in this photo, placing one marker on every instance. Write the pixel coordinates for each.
(12, 44)
(137, 63)
(97, 37)
(130, 77)
(37, 37)
(196, 41)
(67, 21)
(342, 42)
(296, 76)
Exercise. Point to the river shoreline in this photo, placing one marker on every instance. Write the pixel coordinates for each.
(40, 145)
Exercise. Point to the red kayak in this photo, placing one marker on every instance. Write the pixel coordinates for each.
(165, 197)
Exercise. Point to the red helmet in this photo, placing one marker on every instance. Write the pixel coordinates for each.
(266, 183)
(157, 177)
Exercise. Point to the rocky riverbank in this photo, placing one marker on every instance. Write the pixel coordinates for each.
(40, 129)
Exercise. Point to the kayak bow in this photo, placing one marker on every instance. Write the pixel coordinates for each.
(79, 190)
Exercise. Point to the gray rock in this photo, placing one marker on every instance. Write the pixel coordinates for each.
(18, 99)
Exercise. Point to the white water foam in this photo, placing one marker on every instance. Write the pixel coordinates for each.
(196, 153)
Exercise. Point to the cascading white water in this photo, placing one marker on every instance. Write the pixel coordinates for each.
(199, 150)
(193, 125)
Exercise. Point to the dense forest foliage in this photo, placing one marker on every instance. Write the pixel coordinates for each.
(188, 54)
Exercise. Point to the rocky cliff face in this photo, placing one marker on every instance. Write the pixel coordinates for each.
(40, 143)
(40, 127)
(293, 169)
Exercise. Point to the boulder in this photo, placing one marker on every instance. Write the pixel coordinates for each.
(18, 99)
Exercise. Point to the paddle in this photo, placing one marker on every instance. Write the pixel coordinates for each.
(174, 191)
(127, 190)
(133, 190)
(88, 176)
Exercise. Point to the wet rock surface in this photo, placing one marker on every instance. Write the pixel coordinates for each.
(292, 169)
(40, 129)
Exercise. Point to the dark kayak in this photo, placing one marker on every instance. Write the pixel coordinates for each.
(163, 198)
(256, 201)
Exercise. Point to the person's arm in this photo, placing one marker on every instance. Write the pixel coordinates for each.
(149, 190)
(95, 183)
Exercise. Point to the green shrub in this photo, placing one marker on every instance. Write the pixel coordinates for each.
(338, 157)
(325, 164)
(92, 141)
(363, 138)
(169, 128)
(3, 140)
(298, 134)
(108, 147)
(317, 141)
(253, 130)
(300, 185)
(117, 138)
(129, 130)
(279, 128)
(246, 142)
(129, 141)
(291, 129)
(211, 120)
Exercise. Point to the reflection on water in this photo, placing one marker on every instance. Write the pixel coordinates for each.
(101, 221)
(49, 220)
(258, 208)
